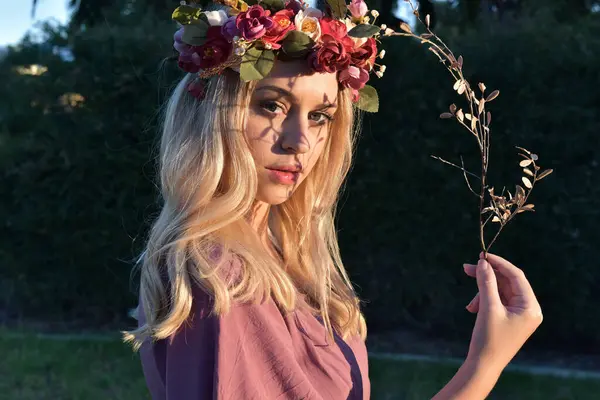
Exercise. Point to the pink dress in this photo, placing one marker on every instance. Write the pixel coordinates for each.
(254, 352)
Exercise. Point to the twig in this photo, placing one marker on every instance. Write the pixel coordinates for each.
(466, 178)
(456, 166)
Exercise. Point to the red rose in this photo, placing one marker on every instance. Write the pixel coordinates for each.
(187, 64)
(331, 56)
(333, 27)
(215, 51)
(282, 24)
(338, 30)
(365, 54)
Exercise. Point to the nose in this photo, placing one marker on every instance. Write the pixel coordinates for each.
(295, 137)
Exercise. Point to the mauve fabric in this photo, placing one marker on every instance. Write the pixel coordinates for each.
(254, 352)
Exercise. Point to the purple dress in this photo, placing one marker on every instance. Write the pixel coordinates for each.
(254, 352)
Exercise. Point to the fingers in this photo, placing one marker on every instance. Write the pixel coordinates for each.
(516, 277)
(505, 293)
(473, 306)
(488, 285)
(470, 269)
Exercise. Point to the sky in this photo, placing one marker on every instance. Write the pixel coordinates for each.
(15, 17)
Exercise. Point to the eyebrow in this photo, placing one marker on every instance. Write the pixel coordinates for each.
(290, 95)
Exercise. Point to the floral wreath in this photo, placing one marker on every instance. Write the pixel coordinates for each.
(250, 34)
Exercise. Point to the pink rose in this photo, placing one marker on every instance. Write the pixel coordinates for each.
(358, 8)
(282, 24)
(331, 56)
(254, 22)
(229, 29)
(364, 56)
(354, 77)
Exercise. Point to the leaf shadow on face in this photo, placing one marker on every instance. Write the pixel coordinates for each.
(276, 135)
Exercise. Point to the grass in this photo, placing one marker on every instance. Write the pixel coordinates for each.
(42, 368)
(414, 380)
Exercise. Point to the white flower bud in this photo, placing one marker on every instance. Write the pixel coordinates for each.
(236, 39)
(383, 27)
(379, 74)
(239, 51)
(388, 32)
(382, 54)
(382, 68)
(268, 46)
(375, 13)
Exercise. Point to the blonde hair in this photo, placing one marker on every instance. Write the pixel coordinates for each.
(208, 183)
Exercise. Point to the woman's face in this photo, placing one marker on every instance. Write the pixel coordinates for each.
(289, 118)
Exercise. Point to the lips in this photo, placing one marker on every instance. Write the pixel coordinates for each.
(283, 177)
(285, 168)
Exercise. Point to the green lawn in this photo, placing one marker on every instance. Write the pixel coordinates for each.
(34, 369)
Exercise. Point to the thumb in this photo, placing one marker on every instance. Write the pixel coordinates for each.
(488, 285)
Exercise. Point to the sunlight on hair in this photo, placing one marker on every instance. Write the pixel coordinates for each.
(208, 185)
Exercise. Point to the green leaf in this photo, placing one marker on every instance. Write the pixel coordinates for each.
(186, 15)
(251, 2)
(256, 64)
(273, 5)
(297, 44)
(204, 19)
(195, 34)
(368, 100)
(338, 8)
(363, 31)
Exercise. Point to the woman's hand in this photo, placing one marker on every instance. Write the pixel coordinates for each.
(507, 311)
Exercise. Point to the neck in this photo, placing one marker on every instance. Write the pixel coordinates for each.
(259, 220)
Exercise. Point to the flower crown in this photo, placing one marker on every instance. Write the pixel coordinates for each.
(249, 34)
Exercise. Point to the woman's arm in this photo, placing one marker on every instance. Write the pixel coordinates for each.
(474, 380)
(507, 315)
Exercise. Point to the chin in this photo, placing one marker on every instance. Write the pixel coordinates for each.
(274, 194)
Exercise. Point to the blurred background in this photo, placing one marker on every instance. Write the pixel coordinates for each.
(81, 84)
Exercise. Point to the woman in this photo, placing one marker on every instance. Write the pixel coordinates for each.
(243, 291)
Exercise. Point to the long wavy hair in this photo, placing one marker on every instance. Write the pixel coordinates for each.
(208, 184)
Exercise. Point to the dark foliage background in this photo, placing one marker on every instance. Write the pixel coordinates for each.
(77, 166)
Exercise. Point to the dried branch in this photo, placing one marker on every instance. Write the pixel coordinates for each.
(502, 208)
(456, 166)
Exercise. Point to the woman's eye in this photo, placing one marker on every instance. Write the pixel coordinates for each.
(271, 106)
(320, 118)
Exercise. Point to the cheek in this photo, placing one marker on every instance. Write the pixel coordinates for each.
(320, 143)
(260, 134)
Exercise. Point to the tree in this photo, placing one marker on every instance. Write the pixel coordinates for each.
(561, 9)
(91, 12)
